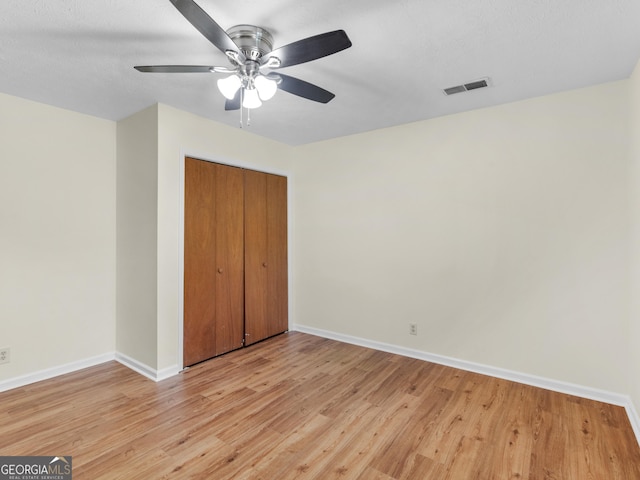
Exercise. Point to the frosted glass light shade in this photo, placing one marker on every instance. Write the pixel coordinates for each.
(251, 98)
(266, 88)
(229, 86)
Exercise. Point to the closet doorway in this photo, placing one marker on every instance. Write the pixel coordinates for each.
(235, 258)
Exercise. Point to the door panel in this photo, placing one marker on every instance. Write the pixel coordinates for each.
(229, 274)
(277, 277)
(199, 262)
(213, 262)
(266, 302)
(256, 260)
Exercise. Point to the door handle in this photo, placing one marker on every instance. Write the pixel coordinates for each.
(220, 270)
(264, 264)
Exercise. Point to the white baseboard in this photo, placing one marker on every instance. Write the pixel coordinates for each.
(146, 370)
(533, 380)
(48, 373)
(168, 372)
(634, 418)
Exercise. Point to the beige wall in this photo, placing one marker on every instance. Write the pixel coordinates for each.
(501, 232)
(57, 236)
(181, 134)
(137, 231)
(151, 149)
(634, 364)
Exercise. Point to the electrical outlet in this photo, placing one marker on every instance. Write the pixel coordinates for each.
(413, 329)
(5, 355)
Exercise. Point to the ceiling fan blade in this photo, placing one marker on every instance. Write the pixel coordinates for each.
(205, 25)
(310, 48)
(304, 89)
(175, 68)
(233, 104)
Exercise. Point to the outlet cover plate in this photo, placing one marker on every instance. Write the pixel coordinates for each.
(5, 355)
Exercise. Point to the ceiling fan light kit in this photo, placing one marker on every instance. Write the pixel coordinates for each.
(229, 86)
(253, 42)
(250, 98)
(249, 50)
(266, 87)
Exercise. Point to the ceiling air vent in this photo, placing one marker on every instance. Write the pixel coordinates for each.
(482, 83)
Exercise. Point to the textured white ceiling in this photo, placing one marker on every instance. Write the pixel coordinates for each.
(79, 55)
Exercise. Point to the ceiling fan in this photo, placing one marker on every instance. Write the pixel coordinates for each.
(249, 50)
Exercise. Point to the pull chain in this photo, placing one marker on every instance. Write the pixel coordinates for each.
(242, 124)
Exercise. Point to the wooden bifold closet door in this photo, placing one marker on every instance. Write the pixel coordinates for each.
(265, 234)
(213, 260)
(235, 258)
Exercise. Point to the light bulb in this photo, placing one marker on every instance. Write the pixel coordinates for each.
(266, 87)
(251, 98)
(229, 86)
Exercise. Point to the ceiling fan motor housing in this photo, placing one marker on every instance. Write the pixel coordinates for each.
(254, 42)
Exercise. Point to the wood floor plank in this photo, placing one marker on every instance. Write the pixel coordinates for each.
(509, 457)
(285, 457)
(401, 453)
(302, 407)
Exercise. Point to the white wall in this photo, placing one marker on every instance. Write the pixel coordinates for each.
(634, 337)
(181, 134)
(137, 230)
(57, 236)
(501, 232)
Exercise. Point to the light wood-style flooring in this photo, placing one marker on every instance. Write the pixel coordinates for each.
(302, 407)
